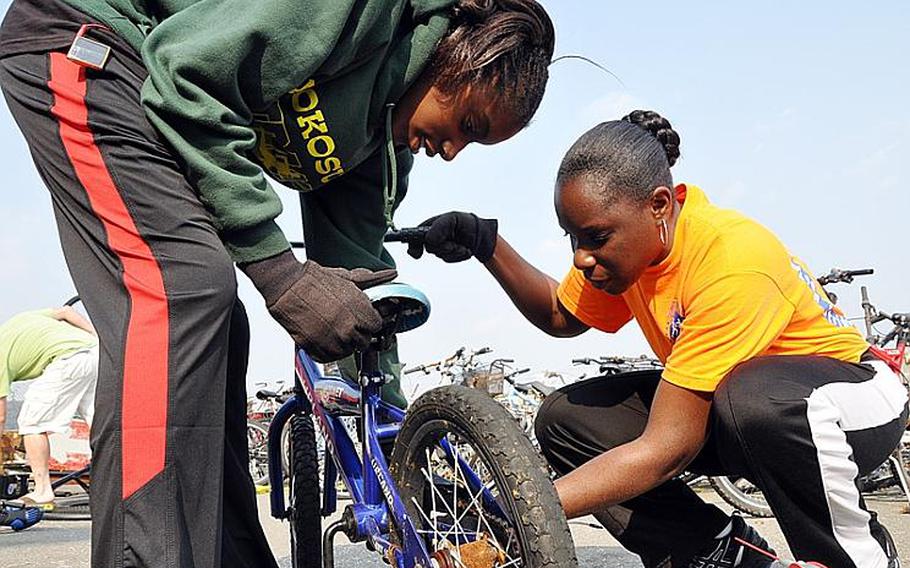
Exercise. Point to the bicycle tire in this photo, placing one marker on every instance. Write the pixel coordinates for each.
(257, 439)
(751, 502)
(520, 476)
(305, 516)
(70, 508)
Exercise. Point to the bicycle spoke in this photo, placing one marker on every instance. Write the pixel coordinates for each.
(476, 503)
(432, 497)
(441, 537)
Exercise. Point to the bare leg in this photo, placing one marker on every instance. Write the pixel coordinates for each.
(38, 452)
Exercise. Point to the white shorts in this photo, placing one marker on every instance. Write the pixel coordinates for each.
(65, 388)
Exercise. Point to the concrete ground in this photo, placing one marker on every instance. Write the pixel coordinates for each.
(65, 544)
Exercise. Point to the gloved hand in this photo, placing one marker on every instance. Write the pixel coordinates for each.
(323, 309)
(457, 236)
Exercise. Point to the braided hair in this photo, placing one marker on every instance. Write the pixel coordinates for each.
(504, 45)
(624, 158)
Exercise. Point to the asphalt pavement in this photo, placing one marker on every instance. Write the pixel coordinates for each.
(65, 544)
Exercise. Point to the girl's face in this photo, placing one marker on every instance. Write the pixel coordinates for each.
(613, 244)
(443, 125)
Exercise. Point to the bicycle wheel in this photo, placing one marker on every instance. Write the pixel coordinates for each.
(257, 439)
(519, 522)
(741, 494)
(305, 515)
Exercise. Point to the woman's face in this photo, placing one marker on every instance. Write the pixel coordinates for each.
(613, 244)
(443, 125)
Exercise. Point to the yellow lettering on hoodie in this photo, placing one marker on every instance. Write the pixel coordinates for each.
(315, 130)
(312, 97)
(315, 121)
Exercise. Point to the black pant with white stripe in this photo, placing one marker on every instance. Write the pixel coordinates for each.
(803, 429)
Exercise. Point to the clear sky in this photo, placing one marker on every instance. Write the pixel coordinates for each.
(795, 113)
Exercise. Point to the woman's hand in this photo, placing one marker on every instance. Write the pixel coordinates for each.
(676, 431)
(323, 309)
(457, 236)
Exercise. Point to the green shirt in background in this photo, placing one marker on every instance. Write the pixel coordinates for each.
(31, 340)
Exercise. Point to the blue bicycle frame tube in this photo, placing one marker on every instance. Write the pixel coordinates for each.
(380, 488)
(276, 468)
(373, 491)
(338, 443)
(331, 429)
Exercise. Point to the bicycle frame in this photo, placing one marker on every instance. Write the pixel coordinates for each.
(377, 505)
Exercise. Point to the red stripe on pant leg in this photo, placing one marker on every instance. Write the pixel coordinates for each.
(144, 396)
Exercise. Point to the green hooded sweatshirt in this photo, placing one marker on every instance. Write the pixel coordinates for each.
(298, 88)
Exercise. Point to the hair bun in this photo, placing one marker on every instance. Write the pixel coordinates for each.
(661, 129)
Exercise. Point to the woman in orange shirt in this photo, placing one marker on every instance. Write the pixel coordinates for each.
(763, 377)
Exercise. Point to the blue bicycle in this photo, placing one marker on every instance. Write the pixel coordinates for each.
(463, 488)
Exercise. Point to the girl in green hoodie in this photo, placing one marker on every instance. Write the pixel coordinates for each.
(154, 125)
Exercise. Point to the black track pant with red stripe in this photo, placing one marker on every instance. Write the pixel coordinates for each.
(170, 484)
(803, 429)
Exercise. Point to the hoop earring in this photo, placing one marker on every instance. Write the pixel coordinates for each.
(663, 232)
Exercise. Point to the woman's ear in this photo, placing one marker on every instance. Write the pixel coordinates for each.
(661, 202)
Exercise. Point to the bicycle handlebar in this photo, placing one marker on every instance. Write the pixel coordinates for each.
(407, 235)
(450, 361)
(872, 315)
(838, 275)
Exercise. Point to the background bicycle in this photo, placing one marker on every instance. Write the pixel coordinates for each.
(497, 378)
(261, 408)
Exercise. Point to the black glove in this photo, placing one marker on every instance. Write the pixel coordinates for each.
(323, 309)
(457, 236)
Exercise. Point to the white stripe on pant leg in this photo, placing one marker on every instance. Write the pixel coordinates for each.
(871, 403)
(833, 410)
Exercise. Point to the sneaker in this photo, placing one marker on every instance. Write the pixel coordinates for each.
(881, 534)
(19, 518)
(728, 552)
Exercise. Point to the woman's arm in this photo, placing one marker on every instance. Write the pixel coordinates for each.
(457, 236)
(676, 431)
(532, 292)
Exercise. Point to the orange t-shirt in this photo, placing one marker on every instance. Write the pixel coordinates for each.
(728, 291)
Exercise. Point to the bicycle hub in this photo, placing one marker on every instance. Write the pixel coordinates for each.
(477, 554)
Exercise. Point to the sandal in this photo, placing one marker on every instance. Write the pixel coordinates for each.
(29, 503)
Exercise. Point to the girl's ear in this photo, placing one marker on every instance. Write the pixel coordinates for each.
(661, 202)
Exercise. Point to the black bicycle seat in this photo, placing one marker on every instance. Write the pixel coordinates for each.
(265, 394)
(543, 389)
